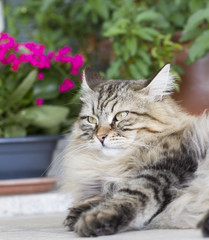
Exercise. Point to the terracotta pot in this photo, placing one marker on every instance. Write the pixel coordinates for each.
(194, 87)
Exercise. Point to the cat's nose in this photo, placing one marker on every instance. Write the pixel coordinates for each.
(101, 137)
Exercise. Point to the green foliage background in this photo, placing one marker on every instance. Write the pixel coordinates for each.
(140, 31)
(128, 39)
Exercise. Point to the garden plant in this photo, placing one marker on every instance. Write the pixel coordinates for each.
(38, 88)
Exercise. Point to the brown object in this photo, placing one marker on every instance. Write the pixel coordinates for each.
(27, 185)
(194, 87)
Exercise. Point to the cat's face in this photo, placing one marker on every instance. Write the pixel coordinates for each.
(117, 115)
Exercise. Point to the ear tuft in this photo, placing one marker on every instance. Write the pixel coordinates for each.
(91, 78)
(161, 84)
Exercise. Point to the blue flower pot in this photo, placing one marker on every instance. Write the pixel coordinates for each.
(26, 157)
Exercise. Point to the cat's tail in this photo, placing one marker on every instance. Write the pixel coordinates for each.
(204, 225)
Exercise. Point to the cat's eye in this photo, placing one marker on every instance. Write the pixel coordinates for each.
(92, 120)
(121, 115)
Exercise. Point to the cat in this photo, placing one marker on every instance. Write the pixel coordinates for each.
(136, 160)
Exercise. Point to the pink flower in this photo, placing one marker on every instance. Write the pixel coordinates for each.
(6, 43)
(40, 76)
(39, 101)
(76, 64)
(64, 50)
(42, 61)
(11, 58)
(50, 55)
(66, 85)
(2, 56)
(15, 65)
(4, 36)
(63, 59)
(32, 55)
(24, 57)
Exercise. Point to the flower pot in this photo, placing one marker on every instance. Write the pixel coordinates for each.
(26, 157)
(194, 87)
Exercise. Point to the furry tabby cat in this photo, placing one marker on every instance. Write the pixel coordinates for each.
(136, 160)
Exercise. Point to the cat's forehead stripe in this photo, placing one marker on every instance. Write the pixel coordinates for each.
(109, 92)
(106, 94)
(112, 93)
(113, 106)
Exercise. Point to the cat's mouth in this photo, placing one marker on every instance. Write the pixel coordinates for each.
(110, 146)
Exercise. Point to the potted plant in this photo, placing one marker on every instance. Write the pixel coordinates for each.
(38, 100)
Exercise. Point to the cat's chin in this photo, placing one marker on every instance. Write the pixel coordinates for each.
(112, 152)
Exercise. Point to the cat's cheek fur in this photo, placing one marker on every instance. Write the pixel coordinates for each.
(96, 144)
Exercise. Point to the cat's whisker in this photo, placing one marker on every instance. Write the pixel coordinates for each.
(82, 147)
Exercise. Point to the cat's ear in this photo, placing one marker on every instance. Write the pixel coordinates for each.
(161, 84)
(91, 79)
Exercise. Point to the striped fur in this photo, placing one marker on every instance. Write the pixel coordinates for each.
(149, 171)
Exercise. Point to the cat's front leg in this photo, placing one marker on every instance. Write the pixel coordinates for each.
(134, 205)
(108, 217)
(76, 211)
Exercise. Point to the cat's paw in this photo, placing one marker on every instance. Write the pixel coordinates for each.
(76, 211)
(72, 218)
(96, 223)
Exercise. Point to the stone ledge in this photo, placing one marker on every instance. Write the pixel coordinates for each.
(52, 202)
(49, 226)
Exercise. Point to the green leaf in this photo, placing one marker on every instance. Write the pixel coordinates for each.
(131, 45)
(75, 105)
(45, 116)
(145, 33)
(178, 18)
(23, 88)
(125, 53)
(142, 67)
(191, 35)
(148, 15)
(134, 71)
(114, 69)
(200, 47)
(47, 89)
(14, 131)
(116, 28)
(117, 48)
(145, 56)
(46, 4)
(196, 19)
(114, 31)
